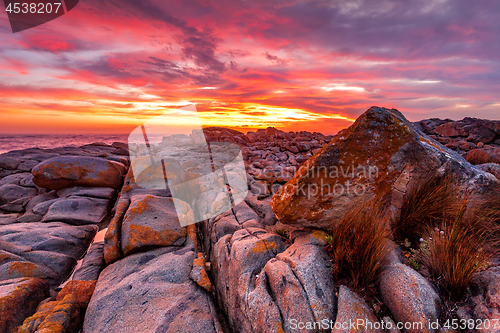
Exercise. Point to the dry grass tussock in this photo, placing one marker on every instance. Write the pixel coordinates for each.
(358, 247)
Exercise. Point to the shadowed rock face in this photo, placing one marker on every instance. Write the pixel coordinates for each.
(67, 171)
(380, 156)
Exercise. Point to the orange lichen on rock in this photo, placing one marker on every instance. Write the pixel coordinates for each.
(65, 171)
(356, 166)
(112, 247)
(199, 274)
(191, 232)
(81, 290)
(23, 269)
(144, 236)
(54, 317)
(263, 246)
(21, 302)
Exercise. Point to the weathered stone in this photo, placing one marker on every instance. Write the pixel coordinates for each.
(263, 209)
(19, 299)
(492, 168)
(389, 158)
(45, 250)
(151, 221)
(300, 280)
(62, 316)
(27, 165)
(7, 218)
(31, 215)
(78, 210)
(482, 134)
(8, 162)
(81, 290)
(199, 274)
(353, 310)
(10, 193)
(155, 285)
(14, 179)
(486, 304)
(92, 264)
(42, 208)
(242, 284)
(93, 192)
(409, 296)
(450, 129)
(68, 171)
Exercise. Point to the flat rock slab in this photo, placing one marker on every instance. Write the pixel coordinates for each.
(68, 171)
(151, 221)
(44, 250)
(93, 192)
(19, 299)
(78, 210)
(151, 292)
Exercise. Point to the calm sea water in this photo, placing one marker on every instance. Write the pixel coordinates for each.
(10, 142)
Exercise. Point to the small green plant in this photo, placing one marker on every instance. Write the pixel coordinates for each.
(359, 248)
(414, 263)
(283, 233)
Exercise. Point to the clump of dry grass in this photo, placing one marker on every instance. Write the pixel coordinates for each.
(359, 248)
(427, 206)
(481, 156)
(459, 248)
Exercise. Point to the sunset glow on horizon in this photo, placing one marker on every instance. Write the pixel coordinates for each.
(108, 66)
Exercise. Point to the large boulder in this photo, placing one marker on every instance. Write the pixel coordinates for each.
(151, 292)
(19, 299)
(44, 250)
(68, 171)
(380, 156)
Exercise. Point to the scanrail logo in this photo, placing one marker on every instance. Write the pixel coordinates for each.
(26, 14)
(171, 152)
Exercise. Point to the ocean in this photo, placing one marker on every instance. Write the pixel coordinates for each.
(10, 142)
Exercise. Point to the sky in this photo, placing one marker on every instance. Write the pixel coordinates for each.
(108, 66)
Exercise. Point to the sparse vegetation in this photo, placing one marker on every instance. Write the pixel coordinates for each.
(358, 247)
(426, 207)
(460, 248)
(283, 233)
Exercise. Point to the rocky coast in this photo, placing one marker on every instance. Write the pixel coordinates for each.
(85, 248)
